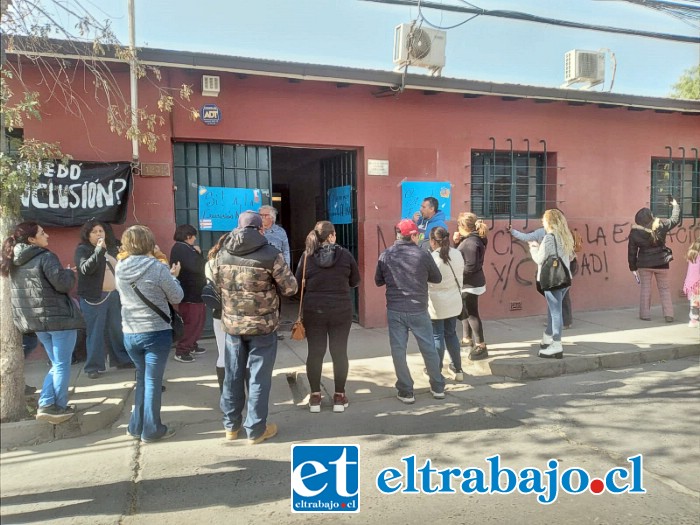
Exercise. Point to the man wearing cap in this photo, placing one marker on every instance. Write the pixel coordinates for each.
(406, 270)
(248, 271)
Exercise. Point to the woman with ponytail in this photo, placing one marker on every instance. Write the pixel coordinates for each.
(471, 241)
(330, 271)
(445, 299)
(40, 303)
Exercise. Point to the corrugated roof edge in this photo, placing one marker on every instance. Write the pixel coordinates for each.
(373, 77)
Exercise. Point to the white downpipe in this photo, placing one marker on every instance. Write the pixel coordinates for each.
(133, 82)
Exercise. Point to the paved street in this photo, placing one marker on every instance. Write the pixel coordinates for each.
(593, 421)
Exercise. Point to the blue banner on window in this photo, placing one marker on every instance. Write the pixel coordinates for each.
(340, 205)
(413, 193)
(219, 208)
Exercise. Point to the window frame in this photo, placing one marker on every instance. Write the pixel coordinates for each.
(682, 174)
(493, 195)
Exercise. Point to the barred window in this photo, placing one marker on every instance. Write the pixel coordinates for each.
(501, 188)
(678, 178)
(14, 139)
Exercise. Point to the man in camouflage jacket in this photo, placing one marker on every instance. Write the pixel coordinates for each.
(249, 272)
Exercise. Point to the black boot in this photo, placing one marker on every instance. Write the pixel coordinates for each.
(220, 374)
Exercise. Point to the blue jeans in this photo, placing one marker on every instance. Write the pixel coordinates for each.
(250, 360)
(418, 323)
(104, 319)
(59, 348)
(555, 300)
(149, 352)
(445, 335)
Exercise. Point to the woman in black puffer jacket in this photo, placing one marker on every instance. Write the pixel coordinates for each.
(648, 256)
(40, 303)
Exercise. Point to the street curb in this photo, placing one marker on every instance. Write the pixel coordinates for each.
(93, 418)
(537, 368)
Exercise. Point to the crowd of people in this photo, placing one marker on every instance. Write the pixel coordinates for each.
(130, 293)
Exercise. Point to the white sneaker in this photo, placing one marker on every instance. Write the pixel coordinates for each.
(693, 323)
(554, 350)
(546, 341)
(437, 395)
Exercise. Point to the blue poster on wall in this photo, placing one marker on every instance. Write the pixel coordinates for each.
(413, 193)
(219, 208)
(340, 205)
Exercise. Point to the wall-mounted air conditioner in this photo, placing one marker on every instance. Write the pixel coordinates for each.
(584, 66)
(211, 85)
(419, 46)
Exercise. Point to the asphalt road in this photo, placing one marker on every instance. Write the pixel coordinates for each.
(592, 421)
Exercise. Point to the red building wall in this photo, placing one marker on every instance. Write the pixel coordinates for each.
(603, 157)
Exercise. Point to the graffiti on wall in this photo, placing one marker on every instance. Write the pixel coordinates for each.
(514, 267)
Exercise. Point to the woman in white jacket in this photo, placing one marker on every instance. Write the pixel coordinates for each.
(445, 299)
(557, 241)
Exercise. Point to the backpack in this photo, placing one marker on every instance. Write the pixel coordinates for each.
(211, 296)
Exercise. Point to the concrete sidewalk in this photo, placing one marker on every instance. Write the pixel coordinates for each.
(597, 340)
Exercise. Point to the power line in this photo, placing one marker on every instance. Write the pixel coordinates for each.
(525, 17)
(687, 11)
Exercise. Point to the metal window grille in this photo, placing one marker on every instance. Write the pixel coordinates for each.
(679, 178)
(15, 139)
(507, 184)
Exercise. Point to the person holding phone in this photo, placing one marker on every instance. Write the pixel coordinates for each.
(648, 256)
(99, 299)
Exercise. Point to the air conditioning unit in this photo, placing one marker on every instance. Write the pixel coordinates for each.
(419, 46)
(211, 85)
(584, 66)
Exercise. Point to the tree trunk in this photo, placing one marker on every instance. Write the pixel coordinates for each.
(12, 403)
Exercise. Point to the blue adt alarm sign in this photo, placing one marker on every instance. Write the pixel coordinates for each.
(210, 114)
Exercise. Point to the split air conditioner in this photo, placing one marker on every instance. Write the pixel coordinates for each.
(419, 46)
(584, 66)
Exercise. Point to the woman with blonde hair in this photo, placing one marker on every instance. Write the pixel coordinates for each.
(142, 279)
(328, 272)
(471, 240)
(557, 241)
(218, 326)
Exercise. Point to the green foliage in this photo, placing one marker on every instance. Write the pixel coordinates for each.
(20, 172)
(688, 85)
(19, 169)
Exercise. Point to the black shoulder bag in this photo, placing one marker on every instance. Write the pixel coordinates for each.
(174, 320)
(554, 273)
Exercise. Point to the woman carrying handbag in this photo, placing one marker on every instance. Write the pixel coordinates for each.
(557, 245)
(328, 272)
(445, 299)
(147, 335)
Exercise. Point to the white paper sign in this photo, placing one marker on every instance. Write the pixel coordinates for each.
(378, 167)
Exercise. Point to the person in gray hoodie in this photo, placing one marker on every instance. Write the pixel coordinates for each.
(147, 337)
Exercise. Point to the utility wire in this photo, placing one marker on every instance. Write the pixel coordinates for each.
(687, 11)
(525, 17)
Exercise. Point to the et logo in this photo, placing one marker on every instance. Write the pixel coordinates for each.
(210, 114)
(325, 478)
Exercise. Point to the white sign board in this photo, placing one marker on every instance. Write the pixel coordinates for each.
(378, 167)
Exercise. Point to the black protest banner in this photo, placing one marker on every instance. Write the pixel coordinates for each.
(72, 194)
